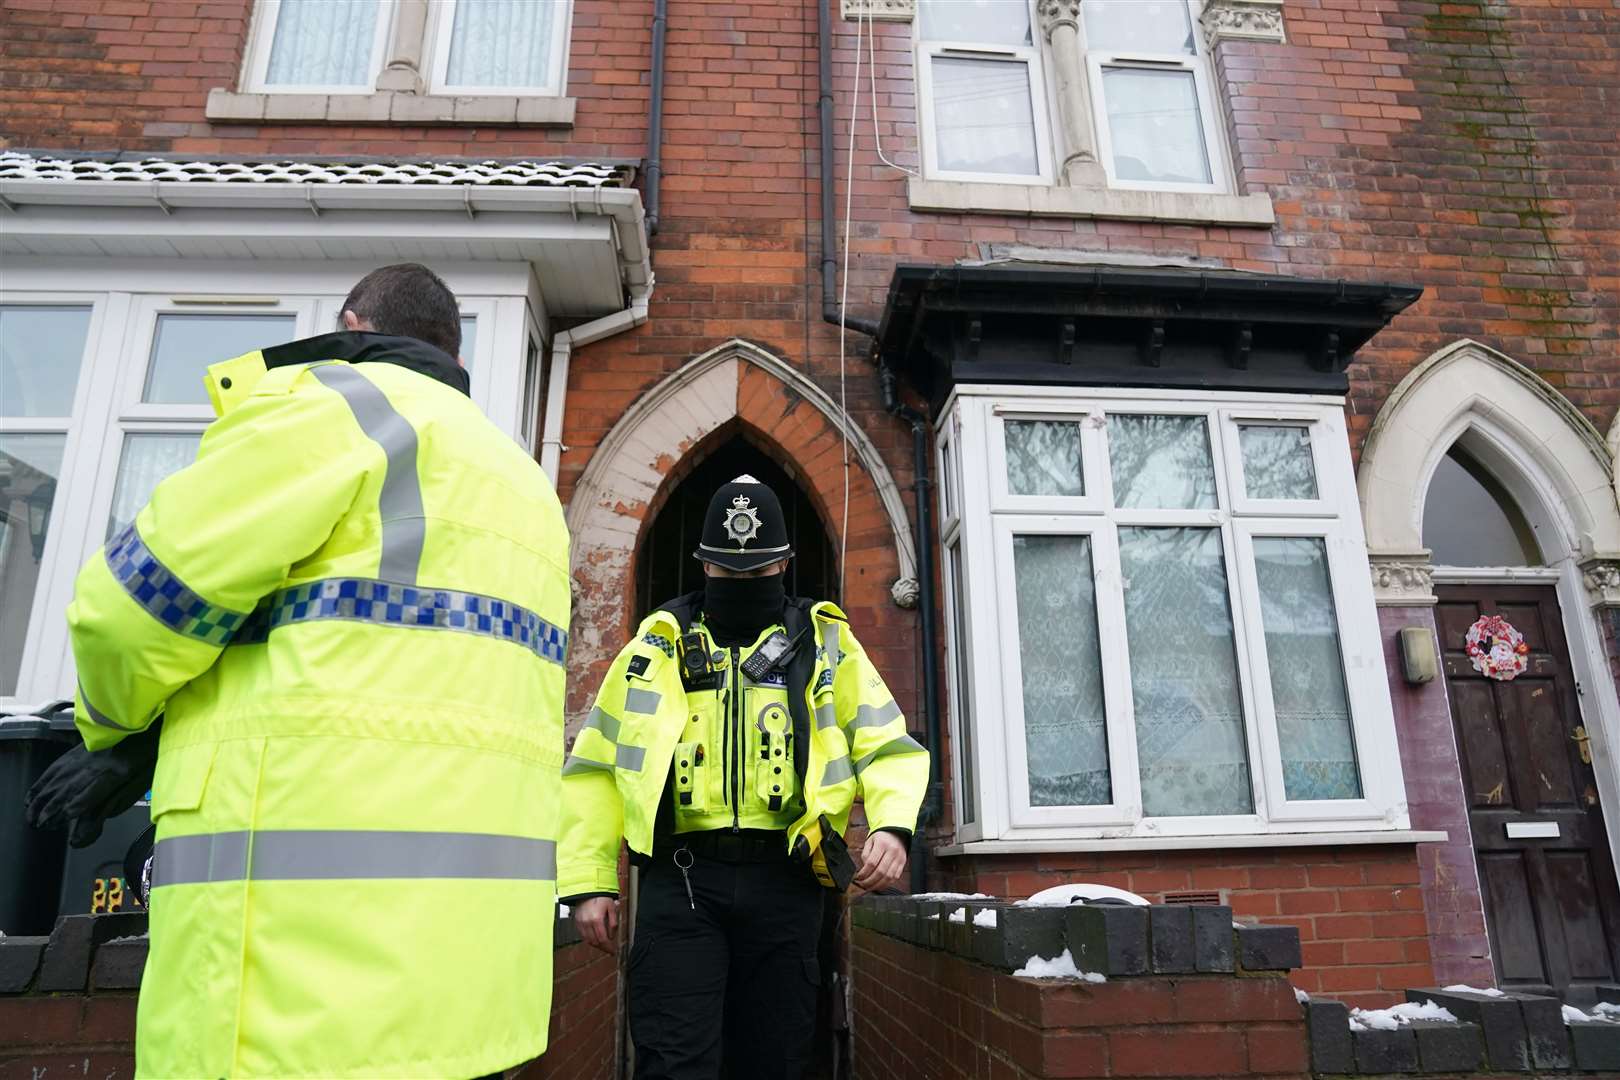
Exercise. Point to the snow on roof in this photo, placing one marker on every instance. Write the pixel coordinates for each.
(20, 166)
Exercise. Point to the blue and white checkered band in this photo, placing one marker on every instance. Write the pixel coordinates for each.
(661, 641)
(157, 589)
(390, 604)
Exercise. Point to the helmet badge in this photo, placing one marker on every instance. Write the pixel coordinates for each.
(742, 521)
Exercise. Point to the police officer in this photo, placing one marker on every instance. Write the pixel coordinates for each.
(350, 613)
(727, 743)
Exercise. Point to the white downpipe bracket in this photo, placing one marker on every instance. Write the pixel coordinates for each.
(562, 348)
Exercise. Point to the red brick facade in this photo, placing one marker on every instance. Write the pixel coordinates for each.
(1465, 147)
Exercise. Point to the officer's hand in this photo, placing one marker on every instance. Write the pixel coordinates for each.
(883, 860)
(598, 922)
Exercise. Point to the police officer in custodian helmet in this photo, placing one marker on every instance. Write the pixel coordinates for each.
(727, 744)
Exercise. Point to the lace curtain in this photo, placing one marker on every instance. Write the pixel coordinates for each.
(983, 117)
(1065, 722)
(1189, 709)
(323, 43)
(147, 460)
(503, 42)
(1307, 668)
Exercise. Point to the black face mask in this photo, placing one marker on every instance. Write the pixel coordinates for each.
(736, 609)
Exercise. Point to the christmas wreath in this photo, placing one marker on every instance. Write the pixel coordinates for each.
(1497, 649)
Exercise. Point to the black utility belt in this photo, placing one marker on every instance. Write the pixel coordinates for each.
(724, 845)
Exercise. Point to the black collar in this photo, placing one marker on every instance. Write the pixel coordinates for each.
(365, 347)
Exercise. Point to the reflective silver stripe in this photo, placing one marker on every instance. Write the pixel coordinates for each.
(876, 715)
(905, 744)
(641, 701)
(96, 715)
(630, 758)
(576, 765)
(196, 860)
(834, 655)
(351, 855)
(400, 504)
(604, 722)
(837, 772)
(826, 715)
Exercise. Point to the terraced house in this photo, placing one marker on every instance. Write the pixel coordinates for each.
(1205, 410)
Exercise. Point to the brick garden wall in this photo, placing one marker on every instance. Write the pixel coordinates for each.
(1358, 910)
(67, 1004)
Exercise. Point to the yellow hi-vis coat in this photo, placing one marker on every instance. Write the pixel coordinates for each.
(616, 774)
(351, 611)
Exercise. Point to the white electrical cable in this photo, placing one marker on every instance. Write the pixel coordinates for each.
(843, 307)
(871, 46)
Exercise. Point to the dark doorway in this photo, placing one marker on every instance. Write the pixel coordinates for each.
(1551, 902)
(665, 567)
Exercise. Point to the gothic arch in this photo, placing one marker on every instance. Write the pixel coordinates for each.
(1549, 452)
(735, 382)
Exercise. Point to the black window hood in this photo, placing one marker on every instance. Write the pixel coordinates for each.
(1128, 326)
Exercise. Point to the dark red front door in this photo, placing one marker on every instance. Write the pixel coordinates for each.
(1551, 902)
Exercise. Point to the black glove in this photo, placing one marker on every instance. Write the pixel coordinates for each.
(83, 789)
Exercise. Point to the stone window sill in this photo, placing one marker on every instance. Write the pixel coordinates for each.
(1192, 843)
(1031, 200)
(388, 107)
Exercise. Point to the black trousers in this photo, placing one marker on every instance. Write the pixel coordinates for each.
(727, 990)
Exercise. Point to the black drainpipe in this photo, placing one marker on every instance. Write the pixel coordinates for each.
(829, 192)
(933, 802)
(655, 121)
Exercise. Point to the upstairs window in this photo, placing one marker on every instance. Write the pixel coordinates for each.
(499, 46)
(319, 46)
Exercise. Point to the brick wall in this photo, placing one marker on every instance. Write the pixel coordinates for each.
(1358, 909)
(67, 1003)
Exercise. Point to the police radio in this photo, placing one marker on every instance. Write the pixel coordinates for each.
(771, 655)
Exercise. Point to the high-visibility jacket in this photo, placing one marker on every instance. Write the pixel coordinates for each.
(351, 612)
(641, 740)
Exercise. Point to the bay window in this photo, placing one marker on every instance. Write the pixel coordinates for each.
(1159, 617)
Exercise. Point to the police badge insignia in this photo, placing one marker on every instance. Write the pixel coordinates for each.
(742, 521)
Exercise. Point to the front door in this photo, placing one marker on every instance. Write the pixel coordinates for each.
(1551, 903)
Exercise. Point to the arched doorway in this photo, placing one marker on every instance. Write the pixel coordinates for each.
(665, 567)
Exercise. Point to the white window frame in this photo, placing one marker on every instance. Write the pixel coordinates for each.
(441, 27)
(1209, 112)
(107, 406)
(928, 50)
(987, 518)
(262, 35)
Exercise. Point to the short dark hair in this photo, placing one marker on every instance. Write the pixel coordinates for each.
(410, 300)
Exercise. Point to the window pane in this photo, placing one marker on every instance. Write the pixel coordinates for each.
(1307, 668)
(1136, 26)
(323, 43)
(963, 664)
(1043, 458)
(1277, 462)
(185, 345)
(41, 349)
(1154, 125)
(469, 340)
(1469, 519)
(146, 461)
(979, 22)
(1189, 709)
(1161, 462)
(983, 119)
(503, 43)
(1065, 723)
(30, 466)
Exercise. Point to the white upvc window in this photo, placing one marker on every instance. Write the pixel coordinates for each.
(981, 93)
(986, 74)
(505, 47)
(1158, 125)
(102, 397)
(1159, 619)
(317, 46)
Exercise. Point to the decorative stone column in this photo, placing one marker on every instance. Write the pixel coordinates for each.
(1060, 25)
(1601, 576)
(403, 72)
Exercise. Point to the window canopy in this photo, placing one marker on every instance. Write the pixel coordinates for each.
(1161, 327)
